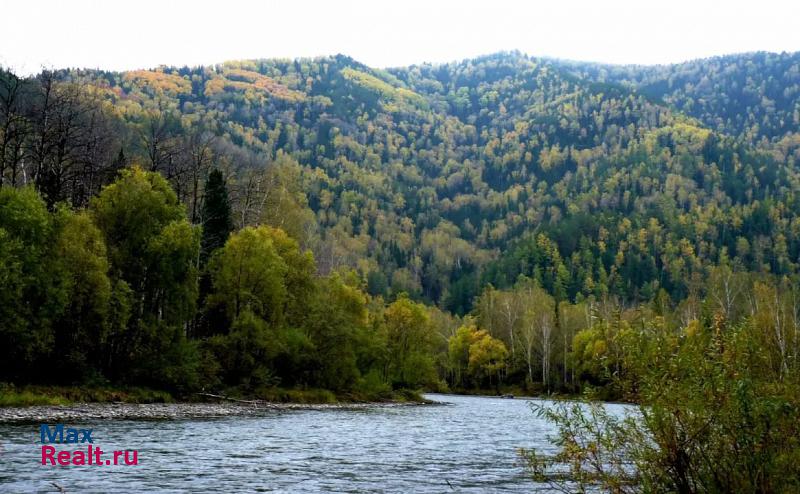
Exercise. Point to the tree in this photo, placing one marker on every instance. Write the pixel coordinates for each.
(245, 354)
(69, 141)
(198, 146)
(712, 418)
(285, 204)
(33, 292)
(215, 214)
(537, 330)
(337, 324)
(81, 330)
(299, 277)
(14, 127)
(473, 352)
(458, 352)
(152, 251)
(487, 357)
(158, 137)
(511, 313)
(410, 339)
(247, 274)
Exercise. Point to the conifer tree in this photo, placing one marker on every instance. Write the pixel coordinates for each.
(216, 215)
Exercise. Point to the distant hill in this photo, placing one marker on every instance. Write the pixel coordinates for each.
(439, 179)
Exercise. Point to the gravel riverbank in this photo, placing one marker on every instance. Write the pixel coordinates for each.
(164, 411)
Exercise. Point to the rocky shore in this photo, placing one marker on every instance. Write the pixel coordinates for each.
(165, 411)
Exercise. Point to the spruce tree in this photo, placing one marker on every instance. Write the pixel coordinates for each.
(216, 215)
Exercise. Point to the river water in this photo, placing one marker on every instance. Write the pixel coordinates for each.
(468, 444)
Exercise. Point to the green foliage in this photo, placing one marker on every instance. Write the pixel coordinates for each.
(13, 398)
(21, 396)
(715, 417)
(638, 178)
(131, 212)
(458, 353)
(118, 289)
(33, 290)
(281, 395)
(216, 215)
(248, 275)
(285, 203)
(81, 330)
(593, 199)
(594, 450)
(152, 253)
(409, 341)
(275, 322)
(172, 271)
(337, 322)
(474, 354)
(299, 276)
(244, 354)
(487, 356)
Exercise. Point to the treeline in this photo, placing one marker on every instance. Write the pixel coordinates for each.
(534, 197)
(420, 178)
(548, 344)
(59, 136)
(716, 377)
(718, 386)
(167, 276)
(753, 96)
(122, 292)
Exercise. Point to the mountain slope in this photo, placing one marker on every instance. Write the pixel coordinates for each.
(438, 179)
(754, 96)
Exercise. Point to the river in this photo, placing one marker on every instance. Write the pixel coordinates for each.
(468, 444)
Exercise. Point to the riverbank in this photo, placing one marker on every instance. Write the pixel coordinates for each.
(168, 411)
(23, 396)
(64, 395)
(604, 395)
(14, 399)
(507, 392)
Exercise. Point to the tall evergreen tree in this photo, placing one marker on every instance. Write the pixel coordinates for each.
(216, 214)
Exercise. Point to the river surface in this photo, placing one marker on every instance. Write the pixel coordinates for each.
(468, 444)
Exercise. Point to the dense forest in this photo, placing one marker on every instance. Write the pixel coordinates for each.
(505, 220)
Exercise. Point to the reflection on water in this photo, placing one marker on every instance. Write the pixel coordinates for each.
(468, 446)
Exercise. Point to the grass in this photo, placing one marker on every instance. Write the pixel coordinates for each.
(13, 396)
(30, 395)
(323, 396)
(26, 398)
(305, 396)
(393, 396)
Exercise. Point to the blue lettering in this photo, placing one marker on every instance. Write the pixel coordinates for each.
(56, 436)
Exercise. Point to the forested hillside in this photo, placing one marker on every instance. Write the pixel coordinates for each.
(600, 193)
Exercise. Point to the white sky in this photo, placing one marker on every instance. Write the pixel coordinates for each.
(145, 33)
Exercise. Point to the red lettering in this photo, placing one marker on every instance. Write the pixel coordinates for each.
(135, 458)
(78, 458)
(97, 453)
(47, 454)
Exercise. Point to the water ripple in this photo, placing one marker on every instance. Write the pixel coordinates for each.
(468, 447)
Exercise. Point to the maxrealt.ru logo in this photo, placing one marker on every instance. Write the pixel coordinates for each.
(93, 455)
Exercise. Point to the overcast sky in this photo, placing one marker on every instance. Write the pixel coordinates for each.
(146, 33)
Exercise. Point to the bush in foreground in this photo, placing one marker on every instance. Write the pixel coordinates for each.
(716, 416)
